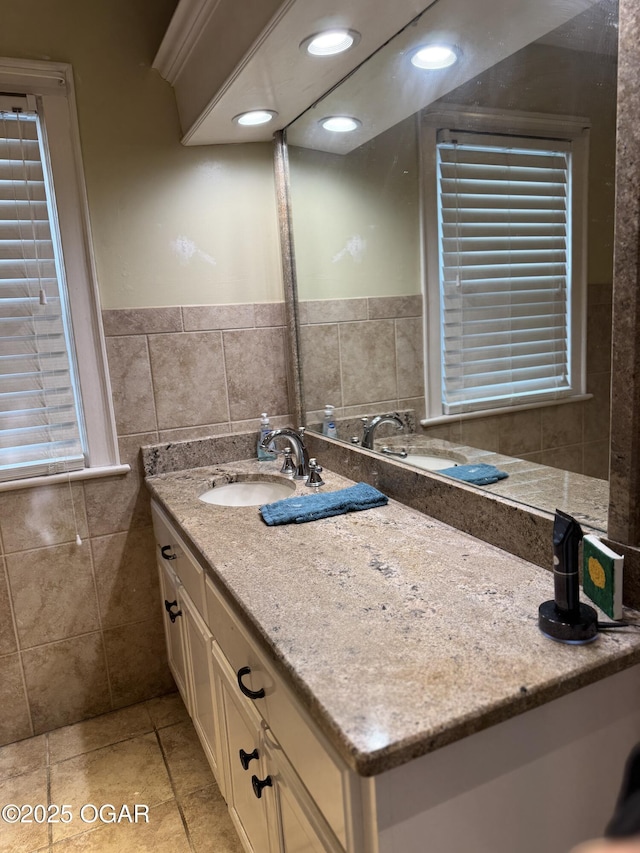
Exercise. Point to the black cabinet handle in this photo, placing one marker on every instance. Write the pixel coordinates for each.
(259, 784)
(168, 605)
(164, 551)
(252, 694)
(246, 757)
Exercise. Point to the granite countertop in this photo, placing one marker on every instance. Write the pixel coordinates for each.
(398, 633)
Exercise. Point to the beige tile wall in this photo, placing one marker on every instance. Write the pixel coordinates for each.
(359, 354)
(82, 631)
(364, 355)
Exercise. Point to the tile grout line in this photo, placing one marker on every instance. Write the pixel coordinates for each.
(147, 347)
(100, 624)
(396, 372)
(23, 677)
(47, 756)
(175, 793)
(104, 746)
(226, 378)
(152, 730)
(340, 369)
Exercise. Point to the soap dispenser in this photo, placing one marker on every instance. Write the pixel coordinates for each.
(328, 422)
(265, 429)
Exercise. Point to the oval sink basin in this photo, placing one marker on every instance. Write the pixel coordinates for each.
(248, 493)
(429, 463)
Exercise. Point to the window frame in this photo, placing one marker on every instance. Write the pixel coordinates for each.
(574, 129)
(51, 84)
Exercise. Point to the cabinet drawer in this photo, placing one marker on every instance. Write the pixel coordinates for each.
(309, 756)
(170, 549)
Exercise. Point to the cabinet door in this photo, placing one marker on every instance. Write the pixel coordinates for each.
(174, 630)
(302, 828)
(297, 834)
(248, 774)
(204, 710)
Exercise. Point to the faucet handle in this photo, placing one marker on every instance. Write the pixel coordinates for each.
(288, 465)
(301, 431)
(314, 480)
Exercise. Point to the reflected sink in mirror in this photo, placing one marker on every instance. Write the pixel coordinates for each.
(248, 493)
(526, 481)
(429, 463)
(428, 454)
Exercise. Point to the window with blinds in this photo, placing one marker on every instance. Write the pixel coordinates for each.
(505, 250)
(41, 428)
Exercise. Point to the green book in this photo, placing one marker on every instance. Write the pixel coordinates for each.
(602, 576)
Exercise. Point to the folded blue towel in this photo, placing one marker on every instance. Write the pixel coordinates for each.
(303, 508)
(477, 475)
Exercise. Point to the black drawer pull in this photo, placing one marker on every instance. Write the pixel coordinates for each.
(165, 553)
(246, 757)
(259, 784)
(252, 694)
(168, 605)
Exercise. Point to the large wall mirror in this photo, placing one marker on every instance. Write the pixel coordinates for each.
(402, 265)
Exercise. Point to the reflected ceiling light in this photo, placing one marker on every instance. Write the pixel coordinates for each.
(255, 117)
(340, 124)
(330, 42)
(433, 56)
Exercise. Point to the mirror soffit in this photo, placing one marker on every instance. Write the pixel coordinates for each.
(258, 64)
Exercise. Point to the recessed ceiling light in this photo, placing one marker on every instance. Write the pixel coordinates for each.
(330, 42)
(255, 117)
(433, 56)
(340, 124)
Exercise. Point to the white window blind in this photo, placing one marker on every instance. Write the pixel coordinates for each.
(41, 428)
(504, 222)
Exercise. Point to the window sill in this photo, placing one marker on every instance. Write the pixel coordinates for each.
(485, 413)
(70, 476)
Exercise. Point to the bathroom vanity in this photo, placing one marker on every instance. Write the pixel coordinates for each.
(377, 682)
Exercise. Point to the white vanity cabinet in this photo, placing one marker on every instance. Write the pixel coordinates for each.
(270, 807)
(248, 774)
(285, 788)
(544, 779)
(188, 637)
(204, 710)
(171, 593)
(298, 835)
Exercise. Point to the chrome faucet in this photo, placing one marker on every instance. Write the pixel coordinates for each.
(388, 451)
(296, 439)
(371, 425)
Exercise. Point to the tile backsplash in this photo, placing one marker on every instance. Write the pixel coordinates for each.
(84, 633)
(362, 354)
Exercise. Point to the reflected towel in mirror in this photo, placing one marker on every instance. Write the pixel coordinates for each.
(477, 475)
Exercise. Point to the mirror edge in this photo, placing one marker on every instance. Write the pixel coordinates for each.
(292, 350)
(624, 472)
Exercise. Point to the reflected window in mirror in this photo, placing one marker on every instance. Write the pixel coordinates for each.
(504, 198)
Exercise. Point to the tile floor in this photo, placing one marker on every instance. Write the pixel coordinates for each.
(147, 754)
